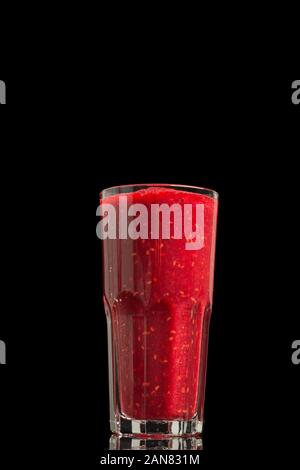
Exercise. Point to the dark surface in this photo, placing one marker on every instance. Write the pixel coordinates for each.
(240, 139)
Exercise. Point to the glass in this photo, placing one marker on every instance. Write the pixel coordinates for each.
(158, 284)
(168, 443)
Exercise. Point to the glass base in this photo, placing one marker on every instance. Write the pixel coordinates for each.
(171, 443)
(134, 427)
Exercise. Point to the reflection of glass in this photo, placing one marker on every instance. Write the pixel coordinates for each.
(173, 443)
(158, 297)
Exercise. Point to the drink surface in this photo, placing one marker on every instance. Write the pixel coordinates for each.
(158, 296)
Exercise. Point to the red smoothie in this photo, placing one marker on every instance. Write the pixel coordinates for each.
(158, 297)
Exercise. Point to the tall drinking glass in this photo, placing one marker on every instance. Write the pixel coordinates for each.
(158, 269)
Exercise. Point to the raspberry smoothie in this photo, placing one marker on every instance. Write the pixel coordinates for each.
(158, 298)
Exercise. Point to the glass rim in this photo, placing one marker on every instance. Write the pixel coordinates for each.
(112, 190)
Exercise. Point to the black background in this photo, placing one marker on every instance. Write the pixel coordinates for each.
(237, 135)
(241, 141)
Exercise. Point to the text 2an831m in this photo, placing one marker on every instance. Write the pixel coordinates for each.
(171, 459)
